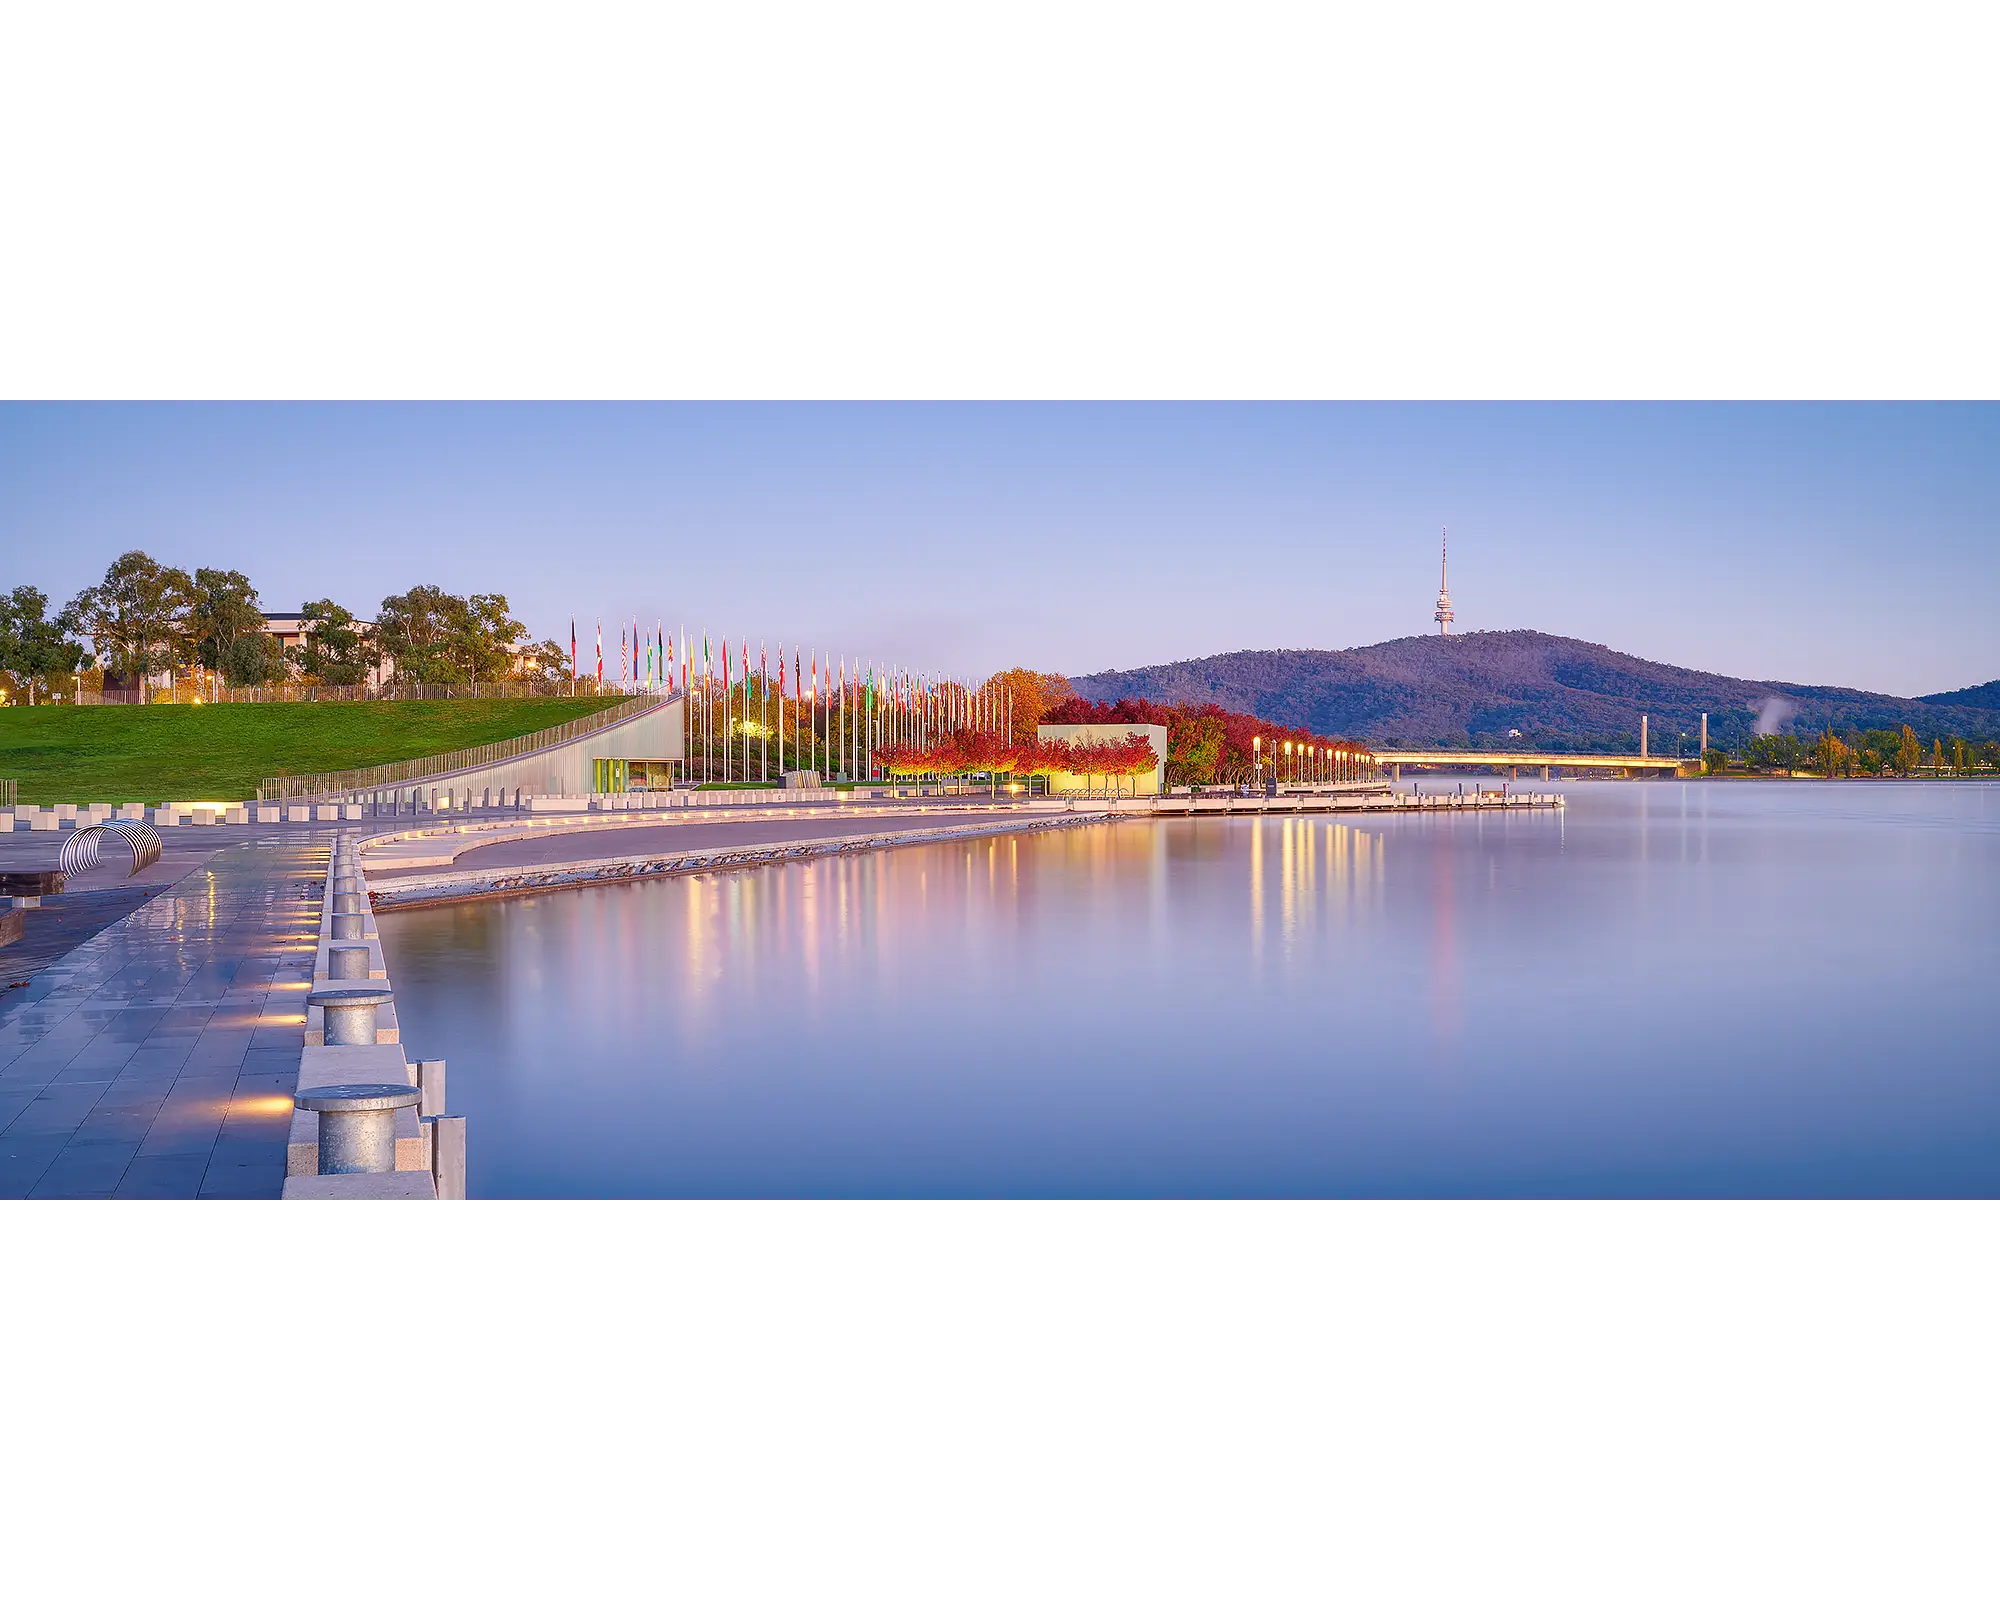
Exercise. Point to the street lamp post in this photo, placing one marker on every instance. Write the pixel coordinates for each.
(1257, 747)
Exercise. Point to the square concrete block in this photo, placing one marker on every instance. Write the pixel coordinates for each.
(7, 822)
(201, 817)
(321, 1065)
(327, 813)
(298, 813)
(166, 817)
(43, 822)
(270, 814)
(237, 814)
(65, 813)
(351, 812)
(363, 1186)
(132, 811)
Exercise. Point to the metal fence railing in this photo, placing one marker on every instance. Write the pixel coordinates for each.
(191, 693)
(9, 788)
(391, 774)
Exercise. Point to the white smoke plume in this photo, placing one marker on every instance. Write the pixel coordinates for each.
(1773, 713)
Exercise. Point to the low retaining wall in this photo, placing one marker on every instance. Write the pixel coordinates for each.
(443, 888)
(429, 1145)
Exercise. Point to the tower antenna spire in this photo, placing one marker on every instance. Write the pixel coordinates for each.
(1442, 617)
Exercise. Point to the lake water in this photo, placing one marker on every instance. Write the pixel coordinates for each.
(1667, 989)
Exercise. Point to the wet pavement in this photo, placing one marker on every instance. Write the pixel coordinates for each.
(157, 1058)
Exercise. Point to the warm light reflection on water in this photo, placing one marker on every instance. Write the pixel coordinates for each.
(1671, 989)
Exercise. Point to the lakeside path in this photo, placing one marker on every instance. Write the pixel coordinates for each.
(157, 1058)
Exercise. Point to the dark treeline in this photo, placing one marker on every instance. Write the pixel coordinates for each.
(1873, 753)
(144, 620)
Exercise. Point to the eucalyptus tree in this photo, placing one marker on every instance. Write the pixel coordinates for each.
(34, 646)
(228, 629)
(139, 616)
(435, 637)
(417, 631)
(335, 647)
(488, 638)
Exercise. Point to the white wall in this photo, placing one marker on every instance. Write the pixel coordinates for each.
(568, 768)
(1107, 733)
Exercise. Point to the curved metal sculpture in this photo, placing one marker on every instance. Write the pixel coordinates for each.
(81, 850)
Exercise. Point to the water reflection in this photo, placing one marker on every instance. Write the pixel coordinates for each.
(1674, 989)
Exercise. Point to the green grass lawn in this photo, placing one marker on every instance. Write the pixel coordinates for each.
(75, 754)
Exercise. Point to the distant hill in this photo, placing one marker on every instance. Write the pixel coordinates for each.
(1985, 695)
(1562, 694)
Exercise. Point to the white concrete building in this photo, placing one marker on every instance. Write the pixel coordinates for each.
(1107, 733)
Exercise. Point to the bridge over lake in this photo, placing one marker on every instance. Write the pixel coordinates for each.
(1515, 762)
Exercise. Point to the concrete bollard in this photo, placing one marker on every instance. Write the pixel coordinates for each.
(349, 902)
(349, 959)
(357, 1124)
(349, 925)
(349, 1007)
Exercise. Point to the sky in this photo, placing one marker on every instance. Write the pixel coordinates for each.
(1815, 543)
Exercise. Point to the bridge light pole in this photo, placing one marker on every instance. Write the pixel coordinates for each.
(1291, 772)
(1257, 745)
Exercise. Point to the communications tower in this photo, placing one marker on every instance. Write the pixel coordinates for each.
(1443, 616)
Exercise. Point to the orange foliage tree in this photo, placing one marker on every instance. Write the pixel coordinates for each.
(1029, 695)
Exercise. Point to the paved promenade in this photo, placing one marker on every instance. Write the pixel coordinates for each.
(93, 900)
(157, 1059)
